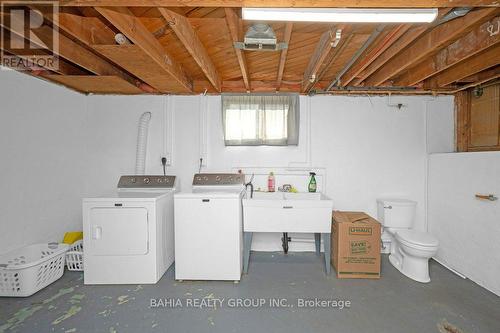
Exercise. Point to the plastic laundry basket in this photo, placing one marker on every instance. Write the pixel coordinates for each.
(25, 271)
(74, 257)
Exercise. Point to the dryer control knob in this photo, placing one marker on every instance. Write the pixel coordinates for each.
(146, 180)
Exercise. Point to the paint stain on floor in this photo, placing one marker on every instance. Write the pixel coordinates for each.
(445, 327)
(73, 310)
(23, 314)
(124, 299)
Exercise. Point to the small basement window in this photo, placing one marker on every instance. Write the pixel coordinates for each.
(260, 120)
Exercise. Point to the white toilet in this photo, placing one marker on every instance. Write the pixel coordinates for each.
(410, 250)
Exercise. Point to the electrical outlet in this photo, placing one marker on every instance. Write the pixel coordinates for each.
(169, 159)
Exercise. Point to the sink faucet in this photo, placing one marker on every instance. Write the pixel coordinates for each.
(251, 186)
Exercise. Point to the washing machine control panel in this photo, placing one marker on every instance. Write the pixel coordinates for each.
(145, 181)
(218, 179)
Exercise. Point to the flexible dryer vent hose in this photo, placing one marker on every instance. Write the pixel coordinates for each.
(142, 143)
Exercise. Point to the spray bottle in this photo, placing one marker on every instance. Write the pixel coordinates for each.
(312, 182)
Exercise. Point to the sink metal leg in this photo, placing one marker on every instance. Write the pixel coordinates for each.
(317, 242)
(326, 243)
(247, 244)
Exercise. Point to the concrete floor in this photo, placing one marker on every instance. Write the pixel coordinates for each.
(392, 304)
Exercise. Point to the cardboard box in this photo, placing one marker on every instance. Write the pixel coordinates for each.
(355, 245)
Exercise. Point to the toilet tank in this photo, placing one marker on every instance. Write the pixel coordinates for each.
(396, 213)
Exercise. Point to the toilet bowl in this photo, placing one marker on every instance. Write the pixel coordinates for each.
(410, 250)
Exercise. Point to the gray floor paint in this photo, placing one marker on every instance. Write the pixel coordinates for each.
(392, 304)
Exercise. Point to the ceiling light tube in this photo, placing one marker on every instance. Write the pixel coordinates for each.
(411, 15)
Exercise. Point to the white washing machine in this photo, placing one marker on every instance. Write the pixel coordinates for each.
(128, 236)
(209, 228)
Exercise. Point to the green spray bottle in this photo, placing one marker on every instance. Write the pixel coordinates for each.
(312, 182)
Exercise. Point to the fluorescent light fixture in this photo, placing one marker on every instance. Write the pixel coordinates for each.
(411, 15)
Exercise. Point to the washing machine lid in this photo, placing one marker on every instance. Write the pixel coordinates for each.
(417, 238)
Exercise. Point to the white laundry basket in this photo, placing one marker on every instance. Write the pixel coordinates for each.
(25, 271)
(74, 256)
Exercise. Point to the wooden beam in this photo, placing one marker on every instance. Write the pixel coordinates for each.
(462, 113)
(474, 42)
(287, 34)
(186, 34)
(370, 56)
(88, 30)
(132, 27)
(283, 3)
(96, 84)
(234, 26)
(429, 43)
(473, 65)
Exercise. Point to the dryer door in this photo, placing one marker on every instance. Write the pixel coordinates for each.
(118, 231)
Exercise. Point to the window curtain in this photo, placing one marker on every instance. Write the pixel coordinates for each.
(254, 120)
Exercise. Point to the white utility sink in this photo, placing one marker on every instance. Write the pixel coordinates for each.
(287, 212)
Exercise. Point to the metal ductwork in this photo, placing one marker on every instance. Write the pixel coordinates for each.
(453, 14)
(260, 37)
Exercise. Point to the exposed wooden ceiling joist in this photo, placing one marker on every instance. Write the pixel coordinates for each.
(428, 43)
(283, 3)
(235, 29)
(185, 32)
(399, 45)
(90, 31)
(125, 21)
(372, 54)
(287, 34)
(473, 65)
(68, 49)
(474, 42)
(95, 84)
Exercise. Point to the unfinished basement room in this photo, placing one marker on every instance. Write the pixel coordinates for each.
(241, 166)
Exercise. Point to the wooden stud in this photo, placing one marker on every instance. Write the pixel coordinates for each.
(473, 65)
(281, 67)
(234, 25)
(474, 42)
(462, 113)
(424, 46)
(185, 32)
(125, 21)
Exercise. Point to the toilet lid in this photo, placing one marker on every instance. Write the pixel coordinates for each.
(417, 238)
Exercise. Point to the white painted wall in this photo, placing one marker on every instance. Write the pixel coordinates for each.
(468, 229)
(43, 159)
(366, 147)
